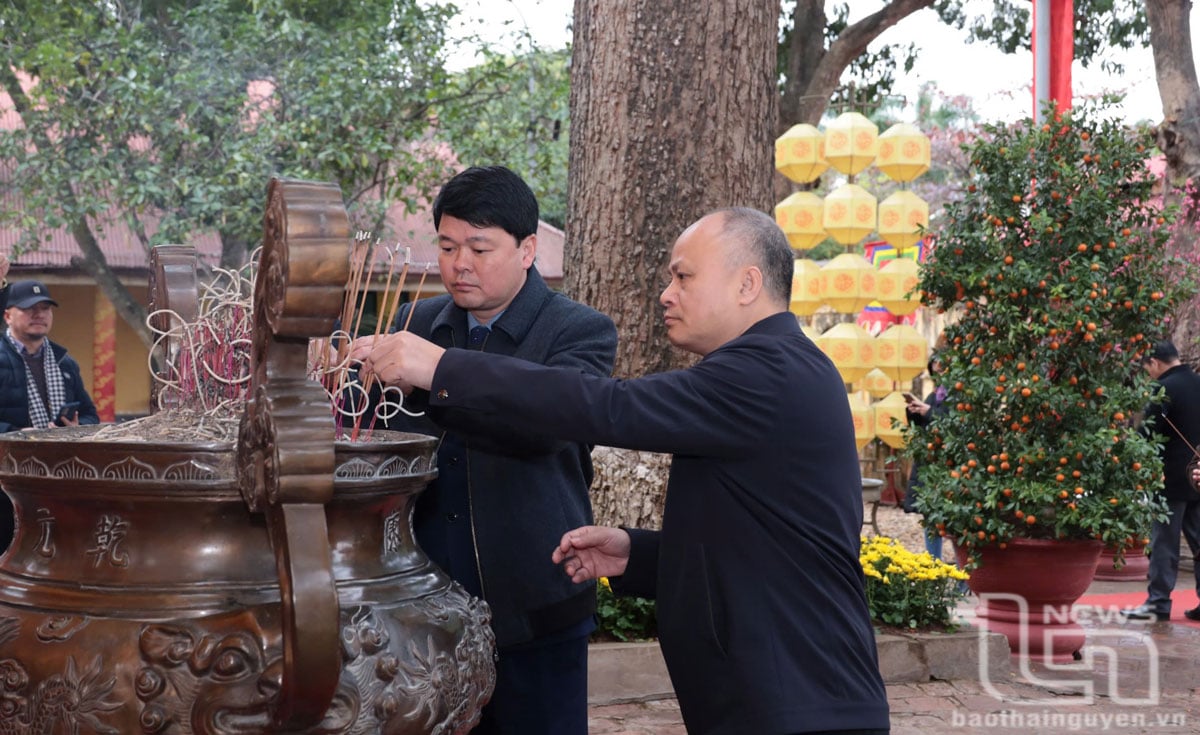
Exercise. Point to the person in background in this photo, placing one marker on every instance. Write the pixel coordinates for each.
(762, 613)
(922, 413)
(503, 497)
(1176, 418)
(40, 384)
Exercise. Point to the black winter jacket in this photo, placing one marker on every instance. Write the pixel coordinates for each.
(1181, 405)
(525, 491)
(14, 397)
(762, 614)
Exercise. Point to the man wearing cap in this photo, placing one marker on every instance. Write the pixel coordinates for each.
(36, 382)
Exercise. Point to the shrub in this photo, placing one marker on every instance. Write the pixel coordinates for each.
(909, 590)
(1055, 266)
(623, 618)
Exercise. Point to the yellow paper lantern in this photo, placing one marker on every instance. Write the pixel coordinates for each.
(849, 214)
(896, 286)
(800, 153)
(903, 217)
(801, 217)
(851, 142)
(876, 382)
(886, 411)
(848, 283)
(851, 349)
(904, 152)
(901, 352)
(806, 288)
(860, 413)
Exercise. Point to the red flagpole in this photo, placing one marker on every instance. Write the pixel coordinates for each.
(1053, 28)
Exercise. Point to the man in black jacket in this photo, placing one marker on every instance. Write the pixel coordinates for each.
(1177, 419)
(762, 614)
(502, 497)
(37, 377)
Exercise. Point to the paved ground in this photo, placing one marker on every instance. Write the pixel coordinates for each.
(1142, 679)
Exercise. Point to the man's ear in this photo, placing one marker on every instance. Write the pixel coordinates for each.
(751, 285)
(528, 250)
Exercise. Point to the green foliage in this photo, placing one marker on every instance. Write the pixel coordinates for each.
(1100, 25)
(623, 618)
(909, 590)
(1054, 263)
(178, 113)
(514, 111)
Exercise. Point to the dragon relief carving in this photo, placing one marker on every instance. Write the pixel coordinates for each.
(193, 681)
(198, 683)
(418, 685)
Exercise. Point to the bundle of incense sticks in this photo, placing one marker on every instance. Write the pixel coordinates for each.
(206, 363)
(330, 359)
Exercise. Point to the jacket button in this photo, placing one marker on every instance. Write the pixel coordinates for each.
(452, 517)
(443, 394)
(452, 461)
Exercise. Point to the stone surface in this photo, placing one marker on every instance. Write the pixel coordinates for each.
(631, 672)
(901, 658)
(627, 672)
(959, 655)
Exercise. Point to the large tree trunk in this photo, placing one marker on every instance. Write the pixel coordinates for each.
(1178, 136)
(673, 111)
(1175, 68)
(95, 264)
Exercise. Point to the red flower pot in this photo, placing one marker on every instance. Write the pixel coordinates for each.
(1026, 591)
(1137, 565)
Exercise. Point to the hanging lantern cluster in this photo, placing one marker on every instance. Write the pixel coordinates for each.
(896, 356)
(850, 213)
(850, 283)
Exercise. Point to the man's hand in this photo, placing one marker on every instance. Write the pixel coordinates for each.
(360, 347)
(590, 552)
(3, 267)
(403, 359)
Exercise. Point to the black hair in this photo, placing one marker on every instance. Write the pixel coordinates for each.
(766, 246)
(1164, 351)
(489, 196)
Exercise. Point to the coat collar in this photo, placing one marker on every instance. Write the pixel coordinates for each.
(57, 351)
(516, 320)
(778, 324)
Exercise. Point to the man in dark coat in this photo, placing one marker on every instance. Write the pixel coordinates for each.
(38, 379)
(762, 614)
(1176, 418)
(502, 497)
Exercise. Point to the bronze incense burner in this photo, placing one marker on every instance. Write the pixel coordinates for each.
(270, 584)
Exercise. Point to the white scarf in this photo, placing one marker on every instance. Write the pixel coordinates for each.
(55, 386)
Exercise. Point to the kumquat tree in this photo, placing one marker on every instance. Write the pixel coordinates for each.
(1055, 267)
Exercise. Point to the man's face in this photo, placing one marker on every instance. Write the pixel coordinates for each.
(483, 267)
(701, 300)
(32, 324)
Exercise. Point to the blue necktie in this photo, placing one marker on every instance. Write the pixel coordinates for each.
(477, 337)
